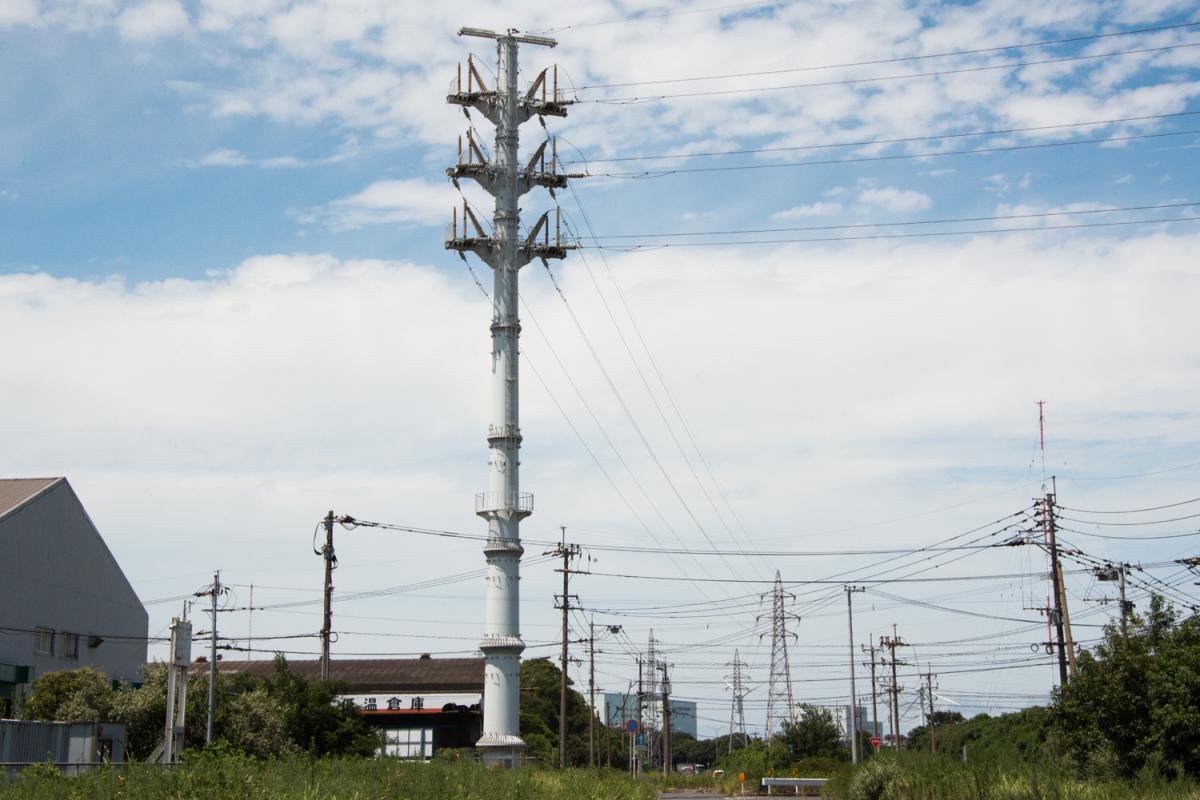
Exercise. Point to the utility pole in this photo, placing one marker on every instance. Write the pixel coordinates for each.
(503, 505)
(566, 552)
(666, 729)
(1045, 515)
(737, 716)
(177, 675)
(591, 692)
(853, 728)
(1062, 582)
(780, 704)
(891, 643)
(874, 701)
(929, 719)
(213, 592)
(637, 757)
(326, 552)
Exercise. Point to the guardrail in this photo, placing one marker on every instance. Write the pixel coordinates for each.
(795, 783)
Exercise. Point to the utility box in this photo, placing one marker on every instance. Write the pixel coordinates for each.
(73, 747)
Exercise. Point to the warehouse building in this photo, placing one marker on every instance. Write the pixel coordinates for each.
(64, 601)
(422, 705)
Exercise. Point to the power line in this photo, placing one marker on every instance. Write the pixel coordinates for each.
(917, 235)
(1131, 510)
(888, 78)
(892, 157)
(1146, 522)
(946, 221)
(899, 59)
(876, 142)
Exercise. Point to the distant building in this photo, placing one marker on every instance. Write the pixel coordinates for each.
(65, 601)
(619, 708)
(421, 704)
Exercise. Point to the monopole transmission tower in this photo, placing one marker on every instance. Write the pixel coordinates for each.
(503, 505)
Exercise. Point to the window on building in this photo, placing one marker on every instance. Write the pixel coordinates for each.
(408, 742)
(68, 645)
(43, 641)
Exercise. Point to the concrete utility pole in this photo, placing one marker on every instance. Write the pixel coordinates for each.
(566, 552)
(503, 505)
(850, 590)
(591, 692)
(330, 565)
(177, 675)
(666, 729)
(874, 701)
(637, 757)
(212, 658)
(929, 719)
(891, 643)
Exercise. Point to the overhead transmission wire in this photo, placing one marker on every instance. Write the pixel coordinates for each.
(878, 142)
(888, 78)
(900, 59)
(628, 412)
(658, 373)
(596, 421)
(1128, 510)
(636, 248)
(647, 174)
(860, 225)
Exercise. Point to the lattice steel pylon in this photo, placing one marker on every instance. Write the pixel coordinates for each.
(503, 505)
(737, 712)
(780, 704)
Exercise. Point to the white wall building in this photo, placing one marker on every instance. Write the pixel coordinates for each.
(64, 602)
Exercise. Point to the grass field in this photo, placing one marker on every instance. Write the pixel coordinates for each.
(231, 777)
(234, 778)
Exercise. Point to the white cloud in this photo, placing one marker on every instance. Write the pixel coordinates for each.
(401, 201)
(8, 194)
(17, 12)
(223, 157)
(892, 199)
(153, 19)
(818, 209)
(224, 416)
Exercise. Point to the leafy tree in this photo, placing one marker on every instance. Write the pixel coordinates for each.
(1103, 715)
(814, 734)
(82, 695)
(540, 694)
(313, 718)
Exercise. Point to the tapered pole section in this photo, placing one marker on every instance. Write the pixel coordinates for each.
(327, 624)
(503, 505)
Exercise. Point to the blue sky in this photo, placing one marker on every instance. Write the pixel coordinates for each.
(221, 252)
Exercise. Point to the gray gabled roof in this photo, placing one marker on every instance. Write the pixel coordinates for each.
(16, 492)
(376, 674)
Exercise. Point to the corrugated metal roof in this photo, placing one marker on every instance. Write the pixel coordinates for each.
(377, 674)
(14, 492)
